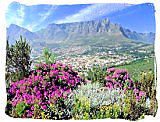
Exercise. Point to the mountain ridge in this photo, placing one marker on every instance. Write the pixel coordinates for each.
(80, 31)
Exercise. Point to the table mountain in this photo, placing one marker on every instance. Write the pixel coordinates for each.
(96, 32)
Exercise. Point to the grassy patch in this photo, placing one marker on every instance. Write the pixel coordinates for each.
(137, 67)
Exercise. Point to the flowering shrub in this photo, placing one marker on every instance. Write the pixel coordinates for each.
(55, 91)
(135, 95)
(119, 78)
(131, 108)
(46, 85)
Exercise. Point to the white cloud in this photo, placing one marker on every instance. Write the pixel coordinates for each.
(92, 12)
(47, 14)
(43, 17)
(18, 15)
(29, 27)
(21, 13)
(15, 17)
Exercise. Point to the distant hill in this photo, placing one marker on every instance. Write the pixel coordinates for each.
(14, 32)
(139, 37)
(96, 32)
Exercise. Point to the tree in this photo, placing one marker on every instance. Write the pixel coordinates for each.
(47, 57)
(18, 61)
(8, 56)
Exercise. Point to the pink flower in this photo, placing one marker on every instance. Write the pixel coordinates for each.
(125, 89)
(109, 85)
(115, 75)
(36, 78)
(38, 70)
(32, 108)
(17, 92)
(45, 93)
(53, 94)
(125, 77)
(30, 114)
(135, 90)
(40, 103)
(37, 65)
(44, 107)
(29, 101)
(14, 103)
(35, 89)
(68, 91)
(30, 89)
(110, 70)
(49, 102)
(108, 78)
(58, 93)
(141, 93)
(137, 98)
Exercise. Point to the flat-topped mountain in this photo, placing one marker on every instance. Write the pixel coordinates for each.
(101, 32)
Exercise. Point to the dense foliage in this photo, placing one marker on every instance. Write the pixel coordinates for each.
(45, 86)
(89, 97)
(52, 90)
(18, 61)
(121, 79)
(47, 57)
(147, 83)
(96, 74)
(136, 68)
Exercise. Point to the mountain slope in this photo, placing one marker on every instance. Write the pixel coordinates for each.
(96, 32)
(82, 32)
(139, 37)
(14, 32)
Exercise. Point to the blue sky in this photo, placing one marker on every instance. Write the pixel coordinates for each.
(135, 17)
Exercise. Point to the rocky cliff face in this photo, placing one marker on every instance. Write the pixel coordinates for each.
(142, 37)
(72, 31)
(101, 31)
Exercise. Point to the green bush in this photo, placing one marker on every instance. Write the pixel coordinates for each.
(18, 61)
(131, 108)
(84, 101)
(47, 57)
(147, 83)
(96, 74)
(19, 109)
(96, 94)
(81, 108)
(110, 111)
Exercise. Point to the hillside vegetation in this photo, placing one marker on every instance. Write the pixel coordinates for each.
(137, 67)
